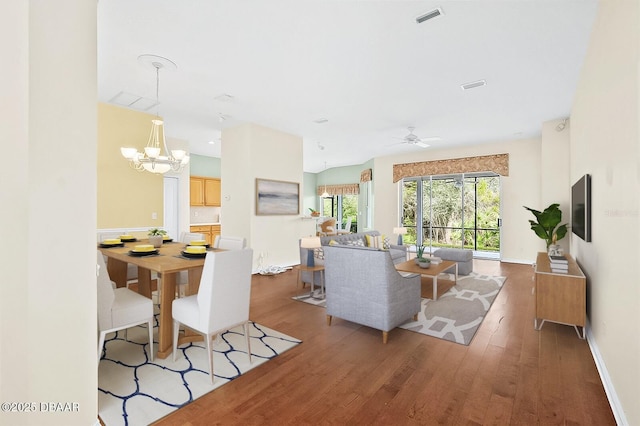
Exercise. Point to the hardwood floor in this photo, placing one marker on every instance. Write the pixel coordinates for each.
(343, 374)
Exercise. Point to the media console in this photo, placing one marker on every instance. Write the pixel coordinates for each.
(560, 297)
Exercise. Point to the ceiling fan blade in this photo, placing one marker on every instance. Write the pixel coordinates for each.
(421, 144)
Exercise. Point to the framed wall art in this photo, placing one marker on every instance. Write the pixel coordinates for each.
(275, 197)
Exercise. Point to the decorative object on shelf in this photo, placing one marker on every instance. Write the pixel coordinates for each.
(314, 213)
(548, 225)
(156, 236)
(421, 261)
(151, 159)
(310, 243)
(400, 231)
(274, 197)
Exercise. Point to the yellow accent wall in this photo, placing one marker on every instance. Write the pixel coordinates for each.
(127, 198)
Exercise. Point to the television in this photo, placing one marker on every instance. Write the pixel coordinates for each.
(581, 208)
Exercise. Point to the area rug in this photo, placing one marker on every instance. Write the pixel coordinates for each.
(136, 391)
(457, 314)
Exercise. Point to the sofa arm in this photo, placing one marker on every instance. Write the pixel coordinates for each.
(399, 247)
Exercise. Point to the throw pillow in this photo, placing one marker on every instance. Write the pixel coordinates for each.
(386, 244)
(380, 242)
(355, 243)
(318, 253)
(333, 243)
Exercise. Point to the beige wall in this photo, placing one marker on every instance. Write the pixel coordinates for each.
(48, 349)
(127, 197)
(605, 143)
(249, 152)
(520, 188)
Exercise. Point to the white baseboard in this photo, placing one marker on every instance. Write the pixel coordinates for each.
(524, 262)
(612, 396)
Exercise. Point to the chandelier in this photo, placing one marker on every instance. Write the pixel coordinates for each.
(152, 158)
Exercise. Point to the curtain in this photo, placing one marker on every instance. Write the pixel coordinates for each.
(344, 189)
(365, 175)
(498, 163)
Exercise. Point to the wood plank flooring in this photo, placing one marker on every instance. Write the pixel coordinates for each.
(510, 374)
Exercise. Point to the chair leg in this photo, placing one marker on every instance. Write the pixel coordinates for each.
(150, 325)
(209, 337)
(385, 337)
(176, 330)
(246, 337)
(328, 319)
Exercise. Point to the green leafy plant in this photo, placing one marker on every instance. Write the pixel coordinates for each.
(156, 231)
(314, 212)
(420, 254)
(548, 225)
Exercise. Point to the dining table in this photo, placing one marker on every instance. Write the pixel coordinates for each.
(166, 263)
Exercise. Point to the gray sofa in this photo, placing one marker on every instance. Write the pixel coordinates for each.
(464, 258)
(363, 286)
(398, 253)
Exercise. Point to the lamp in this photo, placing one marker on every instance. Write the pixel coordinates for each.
(310, 243)
(400, 231)
(151, 159)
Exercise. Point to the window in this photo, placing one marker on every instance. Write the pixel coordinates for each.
(460, 210)
(342, 207)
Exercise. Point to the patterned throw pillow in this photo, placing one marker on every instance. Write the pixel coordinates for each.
(318, 253)
(380, 242)
(355, 243)
(386, 244)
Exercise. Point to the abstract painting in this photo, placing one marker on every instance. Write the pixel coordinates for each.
(274, 197)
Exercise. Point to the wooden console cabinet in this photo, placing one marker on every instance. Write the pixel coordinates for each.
(560, 297)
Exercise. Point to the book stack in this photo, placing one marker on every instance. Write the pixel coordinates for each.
(559, 264)
(435, 260)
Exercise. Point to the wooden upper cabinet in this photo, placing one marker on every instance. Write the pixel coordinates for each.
(212, 192)
(204, 191)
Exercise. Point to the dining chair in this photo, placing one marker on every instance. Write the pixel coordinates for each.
(347, 228)
(222, 302)
(132, 270)
(229, 243)
(187, 237)
(182, 279)
(120, 308)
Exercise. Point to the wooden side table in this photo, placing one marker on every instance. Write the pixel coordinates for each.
(560, 297)
(312, 270)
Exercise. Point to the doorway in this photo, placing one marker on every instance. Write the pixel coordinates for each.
(171, 211)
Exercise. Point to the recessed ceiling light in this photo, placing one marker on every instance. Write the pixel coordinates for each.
(212, 142)
(321, 120)
(224, 97)
(429, 15)
(473, 84)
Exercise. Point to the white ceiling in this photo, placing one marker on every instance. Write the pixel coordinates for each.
(366, 66)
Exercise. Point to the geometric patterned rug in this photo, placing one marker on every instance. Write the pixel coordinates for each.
(136, 391)
(456, 315)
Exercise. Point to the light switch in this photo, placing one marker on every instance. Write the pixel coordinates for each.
(154, 215)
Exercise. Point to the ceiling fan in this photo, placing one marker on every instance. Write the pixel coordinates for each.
(413, 139)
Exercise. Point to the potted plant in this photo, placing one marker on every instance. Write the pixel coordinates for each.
(548, 225)
(421, 261)
(156, 236)
(314, 212)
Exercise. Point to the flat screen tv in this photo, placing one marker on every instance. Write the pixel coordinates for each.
(581, 208)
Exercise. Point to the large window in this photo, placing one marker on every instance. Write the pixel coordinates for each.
(342, 207)
(460, 211)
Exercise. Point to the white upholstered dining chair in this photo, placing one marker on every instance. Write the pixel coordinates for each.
(229, 243)
(347, 228)
(222, 301)
(120, 308)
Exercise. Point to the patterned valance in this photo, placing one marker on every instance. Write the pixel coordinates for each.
(344, 189)
(498, 163)
(365, 175)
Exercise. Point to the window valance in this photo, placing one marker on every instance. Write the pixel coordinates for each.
(365, 175)
(344, 189)
(498, 163)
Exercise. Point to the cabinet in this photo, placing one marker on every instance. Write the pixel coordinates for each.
(209, 232)
(204, 191)
(560, 297)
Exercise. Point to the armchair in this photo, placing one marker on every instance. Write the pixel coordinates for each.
(363, 286)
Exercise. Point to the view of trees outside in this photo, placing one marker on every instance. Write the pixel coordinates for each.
(447, 201)
(342, 207)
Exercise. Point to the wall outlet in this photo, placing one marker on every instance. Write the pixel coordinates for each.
(154, 215)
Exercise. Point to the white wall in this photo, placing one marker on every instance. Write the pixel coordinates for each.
(605, 143)
(250, 151)
(520, 188)
(48, 349)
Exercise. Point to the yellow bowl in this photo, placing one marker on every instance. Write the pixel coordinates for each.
(126, 237)
(166, 237)
(111, 241)
(195, 249)
(144, 247)
(198, 243)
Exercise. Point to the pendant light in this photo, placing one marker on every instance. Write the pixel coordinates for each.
(325, 194)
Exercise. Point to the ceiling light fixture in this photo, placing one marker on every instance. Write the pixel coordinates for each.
(429, 15)
(560, 127)
(473, 84)
(151, 159)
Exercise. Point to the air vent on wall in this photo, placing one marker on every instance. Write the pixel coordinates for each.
(474, 84)
(429, 15)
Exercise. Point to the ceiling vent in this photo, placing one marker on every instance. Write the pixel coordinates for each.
(321, 120)
(133, 101)
(474, 84)
(429, 15)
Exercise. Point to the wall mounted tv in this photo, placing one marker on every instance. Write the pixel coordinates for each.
(581, 208)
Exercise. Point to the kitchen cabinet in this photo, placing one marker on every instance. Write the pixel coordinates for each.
(204, 191)
(209, 232)
(560, 297)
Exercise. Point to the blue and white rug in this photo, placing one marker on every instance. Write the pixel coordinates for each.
(136, 391)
